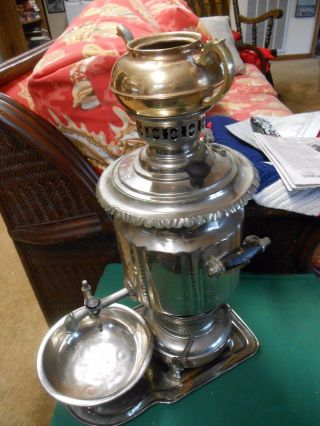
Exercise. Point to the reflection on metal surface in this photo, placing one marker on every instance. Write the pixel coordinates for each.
(165, 268)
(158, 386)
(193, 341)
(99, 360)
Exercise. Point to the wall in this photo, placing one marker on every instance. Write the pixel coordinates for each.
(298, 32)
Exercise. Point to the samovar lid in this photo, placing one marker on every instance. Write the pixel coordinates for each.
(135, 190)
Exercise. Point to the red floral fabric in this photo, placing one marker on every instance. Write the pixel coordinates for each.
(250, 94)
(18, 89)
(172, 15)
(69, 87)
(252, 81)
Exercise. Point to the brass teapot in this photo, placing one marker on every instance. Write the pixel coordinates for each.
(170, 74)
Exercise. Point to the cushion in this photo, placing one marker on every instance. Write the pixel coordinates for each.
(70, 84)
(219, 28)
(245, 105)
(252, 81)
(18, 89)
(172, 15)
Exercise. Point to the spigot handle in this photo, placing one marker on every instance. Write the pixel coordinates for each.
(252, 245)
(86, 289)
(239, 257)
(92, 303)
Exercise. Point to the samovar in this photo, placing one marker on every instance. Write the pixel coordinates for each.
(178, 206)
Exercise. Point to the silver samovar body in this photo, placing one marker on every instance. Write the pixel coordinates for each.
(178, 206)
(178, 203)
(174, 228)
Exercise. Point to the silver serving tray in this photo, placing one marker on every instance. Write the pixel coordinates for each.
(157, 384)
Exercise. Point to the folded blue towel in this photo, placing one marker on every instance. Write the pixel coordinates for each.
(272, 191)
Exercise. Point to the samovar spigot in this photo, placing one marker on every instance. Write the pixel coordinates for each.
(91, 302)
(92, 305)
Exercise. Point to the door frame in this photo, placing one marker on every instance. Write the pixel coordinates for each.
(316, 31)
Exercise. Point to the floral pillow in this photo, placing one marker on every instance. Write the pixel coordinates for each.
(172, 15)
(70, 85)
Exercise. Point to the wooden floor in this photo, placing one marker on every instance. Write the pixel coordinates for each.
(23, 401)
(298, 83)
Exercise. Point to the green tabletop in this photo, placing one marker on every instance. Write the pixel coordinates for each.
(280, 385)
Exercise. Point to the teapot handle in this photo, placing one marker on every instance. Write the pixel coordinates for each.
(219, 47)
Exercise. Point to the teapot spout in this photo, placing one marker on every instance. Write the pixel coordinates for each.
(124, 33)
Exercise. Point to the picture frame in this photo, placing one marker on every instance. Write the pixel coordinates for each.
(305, 8)
(55, 6)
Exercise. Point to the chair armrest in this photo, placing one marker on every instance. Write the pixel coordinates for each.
(274, 14)
(20, 64)
(268, 16)
(57, 233)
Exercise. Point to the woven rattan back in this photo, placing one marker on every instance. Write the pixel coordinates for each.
(34, 190)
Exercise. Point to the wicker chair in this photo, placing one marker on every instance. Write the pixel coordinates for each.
(47, 200)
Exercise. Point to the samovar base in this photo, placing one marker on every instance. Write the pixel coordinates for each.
(160, 385)
(190, 342)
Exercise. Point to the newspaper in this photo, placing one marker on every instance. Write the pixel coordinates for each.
(297, 125)
(297, 160)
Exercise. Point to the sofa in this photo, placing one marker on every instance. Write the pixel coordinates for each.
(49, 170)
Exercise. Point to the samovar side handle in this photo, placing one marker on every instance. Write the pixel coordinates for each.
(221, 50)
(237, 258)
